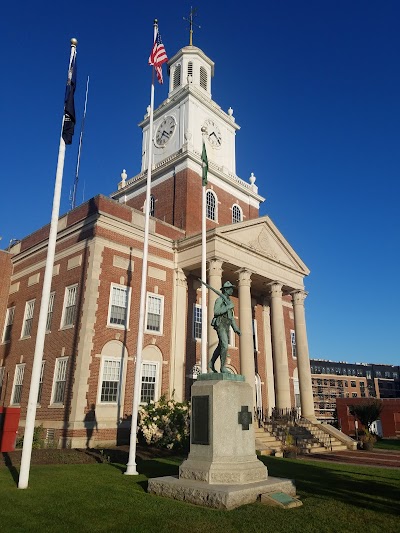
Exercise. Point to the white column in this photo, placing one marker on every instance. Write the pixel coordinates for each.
(247, 368)
(269, 366)
(303, 359)
(178, 348)
(281, 370)
(215, 280)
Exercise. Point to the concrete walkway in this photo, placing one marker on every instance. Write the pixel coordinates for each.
(381, 458)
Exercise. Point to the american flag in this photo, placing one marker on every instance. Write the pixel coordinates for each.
(158, 56)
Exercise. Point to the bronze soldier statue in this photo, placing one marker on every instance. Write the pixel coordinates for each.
(223, 320)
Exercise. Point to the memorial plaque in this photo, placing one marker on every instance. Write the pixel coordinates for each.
(200, 420)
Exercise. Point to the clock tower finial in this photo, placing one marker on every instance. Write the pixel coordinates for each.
(192, 14)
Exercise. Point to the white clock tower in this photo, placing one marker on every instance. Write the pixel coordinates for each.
(189, 111)
(181, 123)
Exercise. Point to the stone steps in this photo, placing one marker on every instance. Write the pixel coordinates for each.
(310, 439)
(267, 444)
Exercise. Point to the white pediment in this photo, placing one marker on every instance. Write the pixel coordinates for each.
(263, 237)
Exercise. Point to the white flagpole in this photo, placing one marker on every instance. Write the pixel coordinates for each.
(204, 324)
(131, 465)
(41, 331)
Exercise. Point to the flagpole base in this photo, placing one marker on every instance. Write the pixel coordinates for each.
(131, 470)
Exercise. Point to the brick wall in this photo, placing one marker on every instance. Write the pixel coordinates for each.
(390, 415)
(178, 202)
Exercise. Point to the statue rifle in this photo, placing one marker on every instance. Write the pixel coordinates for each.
(222, 295)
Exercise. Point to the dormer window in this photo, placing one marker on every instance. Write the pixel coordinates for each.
(203, 78)
(177, 76)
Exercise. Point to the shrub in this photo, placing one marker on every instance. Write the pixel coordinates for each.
(165, 423)
(38, 440)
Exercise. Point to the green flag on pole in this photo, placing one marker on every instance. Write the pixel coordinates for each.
(204, 164)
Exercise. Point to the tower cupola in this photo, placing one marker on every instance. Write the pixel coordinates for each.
(190, 66)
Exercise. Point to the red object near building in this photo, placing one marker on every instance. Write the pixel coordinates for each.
(9, 420)
(389, 417)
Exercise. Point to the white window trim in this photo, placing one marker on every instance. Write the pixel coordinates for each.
(157, 387)
(293, 345)
(255, 335)
(50, 309)
(215, 219)
(29, 307)
(62, 326)
(161, 297)
(152, 208)
(105, 358)
(53, 389)
(41, 381)
(196, 306)
(237, 206)
(8, 322)
(128, 289)
(22, 367)
(232, 339)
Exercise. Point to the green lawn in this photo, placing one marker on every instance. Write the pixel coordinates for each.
(388, 444)
(97, 497)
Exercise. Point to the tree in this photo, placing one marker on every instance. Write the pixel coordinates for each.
(367, 412)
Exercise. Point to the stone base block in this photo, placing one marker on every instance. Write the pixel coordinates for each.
(250, 471)
(218, 496)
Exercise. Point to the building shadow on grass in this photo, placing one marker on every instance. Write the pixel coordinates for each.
(11, 468)
(342, 485)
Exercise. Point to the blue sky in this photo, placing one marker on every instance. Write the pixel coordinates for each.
(315, 88)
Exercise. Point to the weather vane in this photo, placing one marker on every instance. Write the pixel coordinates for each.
(192, 14)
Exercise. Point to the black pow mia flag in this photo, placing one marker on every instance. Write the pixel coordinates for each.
(69, 104)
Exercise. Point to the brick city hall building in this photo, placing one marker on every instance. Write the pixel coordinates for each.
(88, 363)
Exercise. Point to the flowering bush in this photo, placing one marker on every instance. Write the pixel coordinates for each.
(165, 423)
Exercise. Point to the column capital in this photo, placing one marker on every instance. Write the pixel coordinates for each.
(181, 279)
(275, 289)
(298, 297)
(215, 267)
(266, 306)
(244, 277)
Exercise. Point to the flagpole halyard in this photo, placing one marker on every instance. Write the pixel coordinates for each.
(41, 331)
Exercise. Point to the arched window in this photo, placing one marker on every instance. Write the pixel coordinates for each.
(177, 76)
(211, 205)
(203, 78)
(152, 205)
(237, 215)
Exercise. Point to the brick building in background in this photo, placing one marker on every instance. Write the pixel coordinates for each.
(88, 366)
(339, 379)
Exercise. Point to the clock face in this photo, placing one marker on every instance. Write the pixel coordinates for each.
(165, 131)
(212, 133)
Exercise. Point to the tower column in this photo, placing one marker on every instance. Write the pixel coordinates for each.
(269, 366)
(177, 379)
(303, 359)
(281, 370)
(246, 344)
(215, 281)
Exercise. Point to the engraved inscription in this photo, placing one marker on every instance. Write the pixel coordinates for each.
(200, 420)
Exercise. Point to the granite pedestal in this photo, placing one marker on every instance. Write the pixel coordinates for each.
(222, 469)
